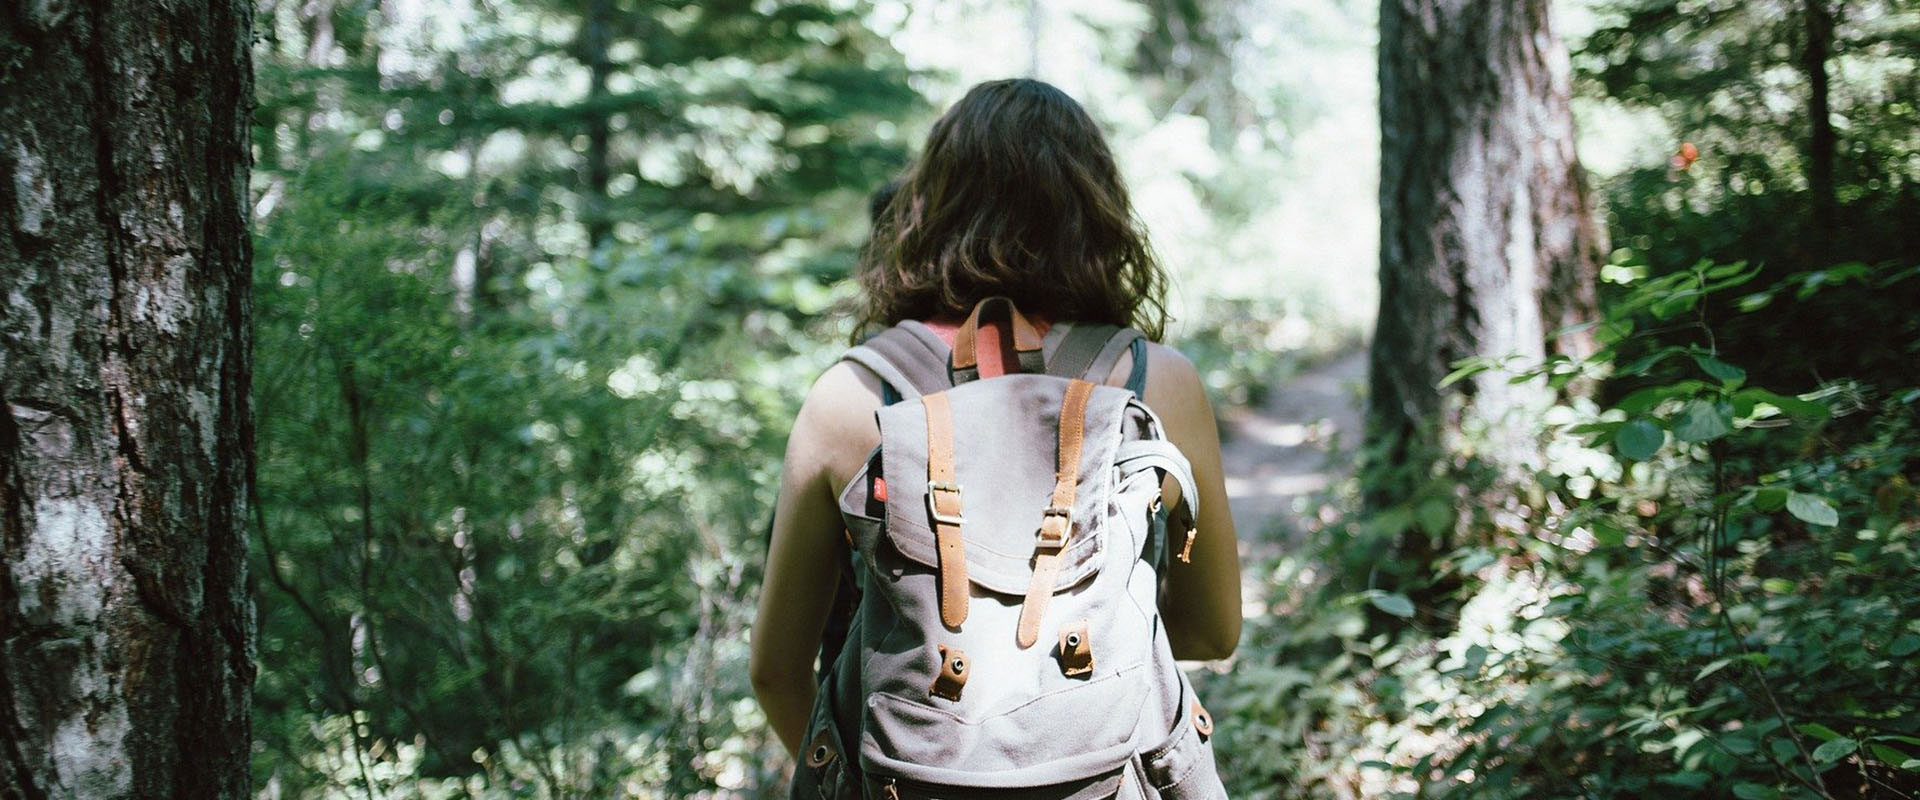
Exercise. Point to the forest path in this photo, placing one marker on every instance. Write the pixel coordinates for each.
(1299, 441)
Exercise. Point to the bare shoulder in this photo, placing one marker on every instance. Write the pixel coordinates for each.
(1173, 384)
(1172, 367)
(834, 430)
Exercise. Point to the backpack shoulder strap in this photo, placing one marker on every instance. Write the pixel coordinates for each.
(1118, 341)
(1072, 356)
(909, 358)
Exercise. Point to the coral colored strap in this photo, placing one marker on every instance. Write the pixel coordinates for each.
(1026, 342)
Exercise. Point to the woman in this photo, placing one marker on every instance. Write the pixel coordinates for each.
(1016, 195)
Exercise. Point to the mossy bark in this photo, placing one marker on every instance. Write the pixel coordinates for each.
(126, 442)
(1488, 244)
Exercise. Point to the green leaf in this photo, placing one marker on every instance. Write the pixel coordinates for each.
(1712, 668)
(1904, 646)
(1728, 270)
(1395, 604)
(1727, 373)
(1834, 750)
(1911, 765)
(1888, 755)
(1434, 516)
(1795, 407)
(1770, 500)
(1812, 508)
(1675, 304)
(1690, 780)
(1777, 585)
(1756, 301)
(1465, 368)
(1703, 421)
(1639, 440)
(1754, 791)
(1817, 731)
(1476, 658)
(1390, 522)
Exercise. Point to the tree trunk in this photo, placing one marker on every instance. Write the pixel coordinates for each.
(1487, 243)
(594, 36)
(126, 445)
(1821, 140)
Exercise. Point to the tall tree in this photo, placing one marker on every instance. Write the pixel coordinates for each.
(126, 631)
(1487, 242)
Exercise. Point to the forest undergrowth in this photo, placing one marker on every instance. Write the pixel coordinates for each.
(1707, 590)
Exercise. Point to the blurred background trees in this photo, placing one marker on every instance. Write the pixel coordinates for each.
(540, 282)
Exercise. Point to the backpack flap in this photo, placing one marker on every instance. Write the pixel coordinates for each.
(1005, 432)
(860, 504)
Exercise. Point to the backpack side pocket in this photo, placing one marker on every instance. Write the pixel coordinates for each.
(1182, 768)
(825, 771)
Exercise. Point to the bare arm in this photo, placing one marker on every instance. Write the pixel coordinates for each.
(1201, 600)
(808, 548)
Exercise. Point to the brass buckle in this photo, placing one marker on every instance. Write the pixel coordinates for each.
(934, 509)
(1040, 537)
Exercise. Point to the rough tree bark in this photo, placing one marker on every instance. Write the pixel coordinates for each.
(1487, 242)
(126, 441)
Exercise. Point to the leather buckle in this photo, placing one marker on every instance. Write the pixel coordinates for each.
(1042, 539)
(933, 508)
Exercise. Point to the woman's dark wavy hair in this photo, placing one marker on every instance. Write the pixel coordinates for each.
(1016, 195)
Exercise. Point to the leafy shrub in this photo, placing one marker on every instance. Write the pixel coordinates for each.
(1715, 595)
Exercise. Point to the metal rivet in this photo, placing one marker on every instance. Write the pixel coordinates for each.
(820, 754)
(959, 666)
(1073, 640)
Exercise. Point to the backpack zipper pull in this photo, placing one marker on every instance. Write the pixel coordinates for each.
(890, 790)
(1186, 550)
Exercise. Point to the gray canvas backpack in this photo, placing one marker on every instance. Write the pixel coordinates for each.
(1008, 541)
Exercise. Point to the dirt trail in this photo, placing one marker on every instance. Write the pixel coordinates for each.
(1296, 443)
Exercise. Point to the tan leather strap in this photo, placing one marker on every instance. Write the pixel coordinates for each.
(1056, 523)
(1026, 342)
(1076, 649)
(1202, 721)
(943, 509)
(954, 669)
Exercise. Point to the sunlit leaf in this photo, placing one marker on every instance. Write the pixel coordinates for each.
(1812, 508)
(1835, 749)
(1395, 604)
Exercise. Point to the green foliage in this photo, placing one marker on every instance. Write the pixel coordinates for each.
(513, 478)
(1718, 598)
(1736, 179)
(539, 286)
